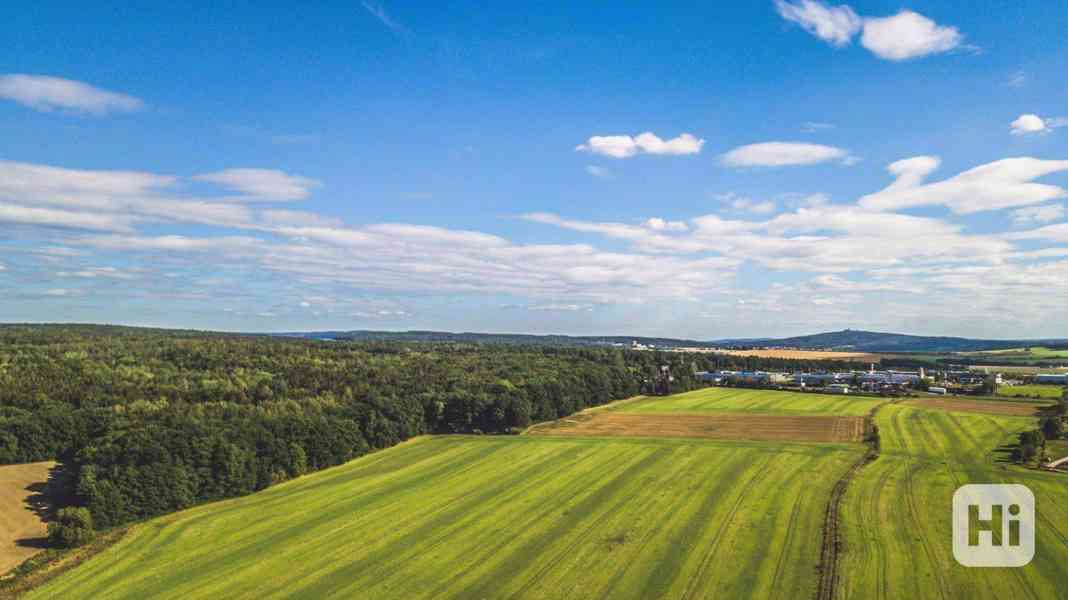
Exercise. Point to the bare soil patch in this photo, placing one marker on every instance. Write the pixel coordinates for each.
(815, 428)
(990, 407)
(22, 512)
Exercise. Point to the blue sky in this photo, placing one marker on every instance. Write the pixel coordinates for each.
(666, 169)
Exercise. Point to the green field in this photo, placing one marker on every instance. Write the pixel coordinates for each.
(1021, 355)
(516, 517)
(1052, 392)
(896, 515)
(768, 402)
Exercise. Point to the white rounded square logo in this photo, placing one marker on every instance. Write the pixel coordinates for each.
(993, 525)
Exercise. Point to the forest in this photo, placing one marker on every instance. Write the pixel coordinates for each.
(148, 421)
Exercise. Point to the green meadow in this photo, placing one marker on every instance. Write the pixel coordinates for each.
(501, 517)
(768, 402)
(543, 517)
(897, 511)
(1052, 392)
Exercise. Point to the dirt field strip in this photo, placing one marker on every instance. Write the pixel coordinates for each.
(990, 407)
(832, 535)
(21, 528)
(814, 428)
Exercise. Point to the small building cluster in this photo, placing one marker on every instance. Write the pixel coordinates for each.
(1052, 378)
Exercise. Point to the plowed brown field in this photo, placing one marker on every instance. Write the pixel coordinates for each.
(990, 407)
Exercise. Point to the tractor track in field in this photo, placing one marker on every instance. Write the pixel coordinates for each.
(831, 548)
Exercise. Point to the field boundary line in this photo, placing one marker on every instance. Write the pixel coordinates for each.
(831, 548)
(584, 411)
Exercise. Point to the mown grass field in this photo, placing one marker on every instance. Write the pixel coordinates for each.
(21, 527)
(767, 402)
(896, 514)
(517, 517)
(1053, 392)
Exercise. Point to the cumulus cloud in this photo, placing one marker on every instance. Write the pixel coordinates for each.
(1031, 123)
(779, 154)
(44, 93)
(908, 35)
(262, 184)
(838, 255)
(835, 25)
(903, 36)
(625, 146)
(1001, 184)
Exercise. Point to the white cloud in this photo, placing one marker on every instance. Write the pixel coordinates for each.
(1017, 79)
(899, 37)
(170, 243)
(598, 171)
(560, 307)
(262, 184)
(833, 24)
(48, 217)
(298, 218)
(1032, 123)
(748, 204)
(99, 273)
(744, 203)
(778, 154)
(625, 146)
(1001, 184)
(658, 224)
(47, 94)
(908, 35)
(379, 12)
(1038, 214)
(1028, 124)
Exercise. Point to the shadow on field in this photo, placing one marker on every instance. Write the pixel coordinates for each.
(42, 500)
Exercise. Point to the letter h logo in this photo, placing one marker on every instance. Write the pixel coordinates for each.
(993, 525)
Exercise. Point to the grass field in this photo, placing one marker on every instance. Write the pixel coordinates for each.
(1052, 392)
(730, 426)
(896, 515)
(518, 517)
(20, 526)
(765, 402)
(1021, 355)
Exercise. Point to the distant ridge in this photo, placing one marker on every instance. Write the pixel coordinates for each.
(875, 341)
(846, 340)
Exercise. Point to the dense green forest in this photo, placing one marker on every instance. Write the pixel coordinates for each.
(151, 421)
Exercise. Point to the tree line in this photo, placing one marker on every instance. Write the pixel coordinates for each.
(149, 421)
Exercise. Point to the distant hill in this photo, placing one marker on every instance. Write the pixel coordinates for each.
(848, 339)
(874, 341)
